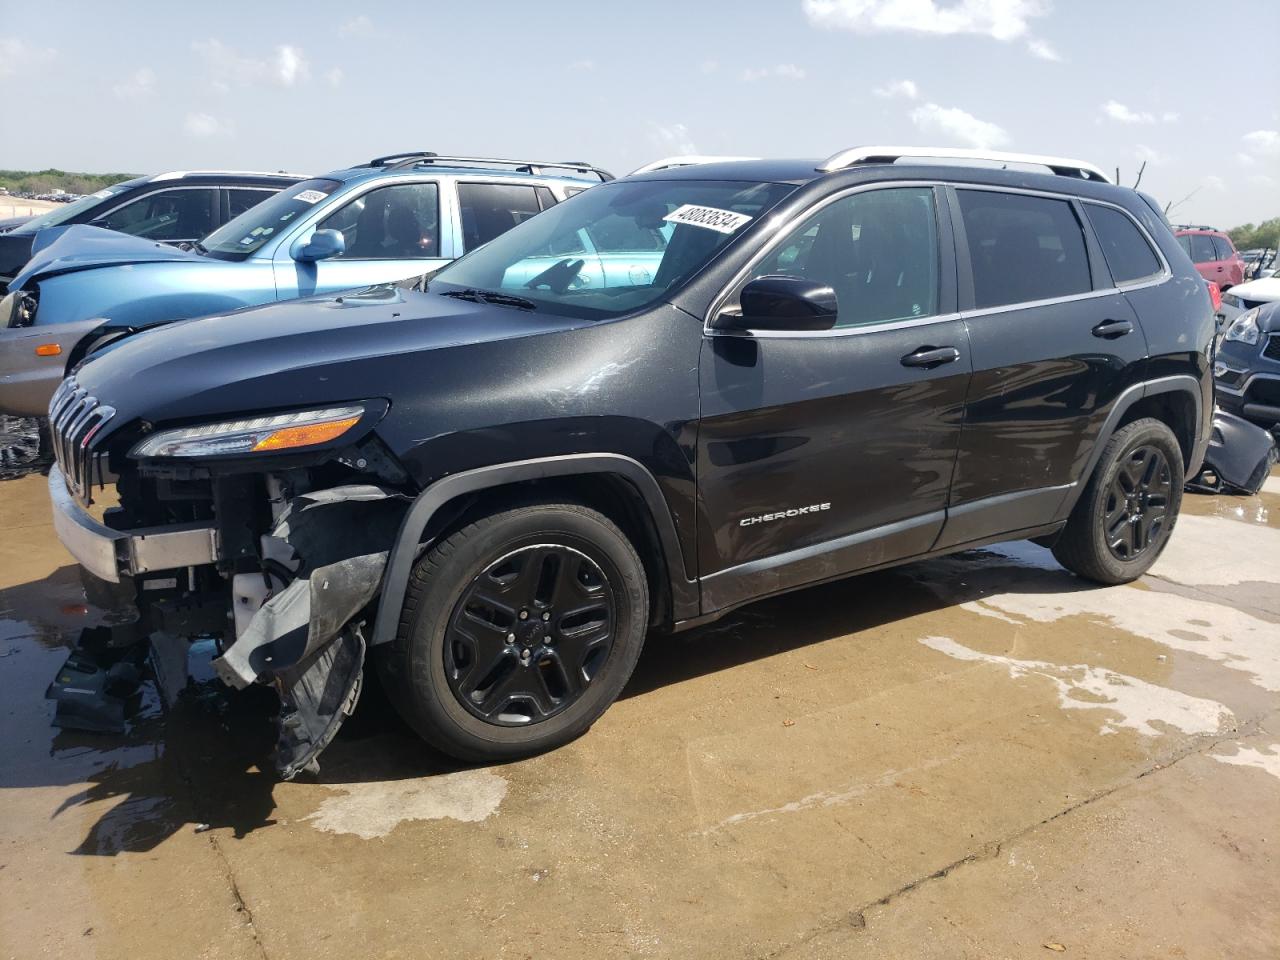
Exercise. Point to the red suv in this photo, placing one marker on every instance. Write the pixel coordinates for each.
(1214, 255)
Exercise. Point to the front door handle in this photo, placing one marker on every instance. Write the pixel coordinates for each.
(1111, 329)
(930, 357)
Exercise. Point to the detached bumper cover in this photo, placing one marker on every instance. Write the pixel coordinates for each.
(110, 554)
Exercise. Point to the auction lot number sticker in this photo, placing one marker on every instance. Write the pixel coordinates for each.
(712, 218)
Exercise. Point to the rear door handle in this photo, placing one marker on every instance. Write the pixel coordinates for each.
(1110, 329)
(930, 357)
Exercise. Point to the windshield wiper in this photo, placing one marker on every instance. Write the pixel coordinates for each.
(489, 296)
(198, 247)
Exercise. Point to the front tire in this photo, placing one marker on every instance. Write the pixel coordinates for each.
(518, 631)
(1127, 512)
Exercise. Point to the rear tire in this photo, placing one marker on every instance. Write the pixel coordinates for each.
(1127, 512)
(518, 631)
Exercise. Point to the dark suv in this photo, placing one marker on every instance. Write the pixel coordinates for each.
(664, 398)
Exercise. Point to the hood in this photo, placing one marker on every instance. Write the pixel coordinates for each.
(8, 223)
(81, 247)
(355, 346)
(1266, 290)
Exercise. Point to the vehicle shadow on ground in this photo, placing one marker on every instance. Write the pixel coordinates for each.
(205, 763)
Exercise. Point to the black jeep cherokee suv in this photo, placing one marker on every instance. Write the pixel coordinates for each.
(664, 398)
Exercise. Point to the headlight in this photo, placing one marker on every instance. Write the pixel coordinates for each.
(1244, 328)
(17, 309)
(1231, 300)
(285, 431)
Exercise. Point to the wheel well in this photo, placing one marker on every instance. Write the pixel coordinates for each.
(610, 494)
(1176, 410)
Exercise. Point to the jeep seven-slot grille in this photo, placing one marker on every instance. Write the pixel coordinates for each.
(1272, 350)
(74, 418)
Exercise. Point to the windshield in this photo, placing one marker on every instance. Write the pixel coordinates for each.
(240, 237)
(614, 248)
(68, 211)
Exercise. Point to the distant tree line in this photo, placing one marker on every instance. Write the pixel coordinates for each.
(46, 181)
(1265, 234)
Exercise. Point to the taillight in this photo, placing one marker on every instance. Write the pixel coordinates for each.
(1215, 294)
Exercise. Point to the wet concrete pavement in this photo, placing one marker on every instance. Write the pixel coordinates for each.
(979, 756)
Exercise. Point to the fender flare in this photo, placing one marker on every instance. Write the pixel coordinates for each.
(1178, 383)
(404, 552)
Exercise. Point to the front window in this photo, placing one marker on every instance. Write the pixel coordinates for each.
(878, 250)
(615, 248)
(240, 237)
(70, 211)
(401, 222)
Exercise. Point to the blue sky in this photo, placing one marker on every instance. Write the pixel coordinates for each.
(315, 86)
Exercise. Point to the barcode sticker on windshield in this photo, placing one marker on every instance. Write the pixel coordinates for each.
(310, 196)
(721, 221)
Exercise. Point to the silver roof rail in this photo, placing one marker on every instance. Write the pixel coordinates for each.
(1060, 165)
(669, 163)
(180, 174)
(535, 167)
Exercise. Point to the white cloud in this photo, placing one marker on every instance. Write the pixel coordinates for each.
(1001, 19)
(672, 138)
(582, 65)
(1263, 142)
(17, 54)
(1150, 155)
(334, 76)
(898, 88)
(1214, 182)
(203, 126)
(291, 66)
(140, 83)
(1121, 114)
(1245, 159)
(360, 26)
(227, 68)
(952, 123)
(786, 71)
(1041, 49)
(1114, 110)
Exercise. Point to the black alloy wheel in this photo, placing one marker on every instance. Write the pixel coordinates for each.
(1137, 502)
(530, 634)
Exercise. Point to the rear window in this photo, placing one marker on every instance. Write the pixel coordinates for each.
(1023, 248)
(1126, 250)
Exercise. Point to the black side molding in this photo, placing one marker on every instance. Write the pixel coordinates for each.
(395, 581)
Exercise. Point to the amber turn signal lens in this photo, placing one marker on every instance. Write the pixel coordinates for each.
(48, 350)
(306, 435)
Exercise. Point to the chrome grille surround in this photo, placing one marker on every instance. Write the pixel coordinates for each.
(75, 418)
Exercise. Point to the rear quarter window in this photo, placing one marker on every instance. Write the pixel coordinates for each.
(1127, 252)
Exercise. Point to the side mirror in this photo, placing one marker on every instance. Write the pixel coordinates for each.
(323, 245)
(782, 303)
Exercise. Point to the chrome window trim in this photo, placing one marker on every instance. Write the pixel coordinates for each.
(781, 230)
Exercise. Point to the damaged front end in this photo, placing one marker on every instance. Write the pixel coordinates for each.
(267, 535)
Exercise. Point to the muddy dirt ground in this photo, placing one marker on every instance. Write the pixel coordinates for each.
(979, 756)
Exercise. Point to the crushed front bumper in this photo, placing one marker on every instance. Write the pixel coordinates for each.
(111, 554)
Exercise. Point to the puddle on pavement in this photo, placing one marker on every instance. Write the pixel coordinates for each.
(1261, 509)
(1143, 707)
